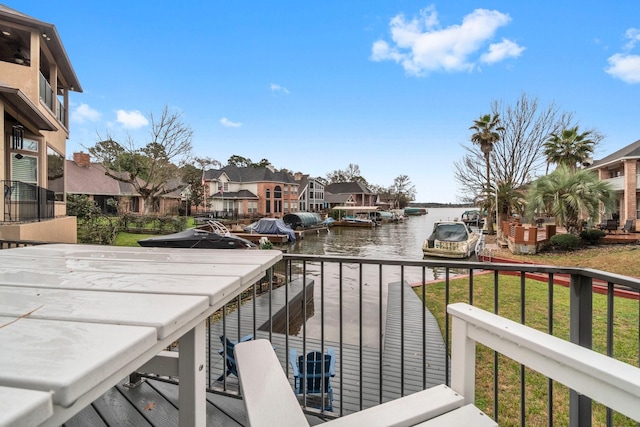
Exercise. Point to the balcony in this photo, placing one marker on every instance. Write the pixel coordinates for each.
(387, 346)
(25, 202)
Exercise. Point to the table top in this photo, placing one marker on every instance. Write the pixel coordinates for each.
(74, 317)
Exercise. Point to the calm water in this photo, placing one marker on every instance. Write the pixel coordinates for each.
(398, 241)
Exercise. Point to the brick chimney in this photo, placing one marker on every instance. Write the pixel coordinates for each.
(82, 159)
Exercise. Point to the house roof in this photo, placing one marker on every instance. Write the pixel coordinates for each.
(630, 151)
(347, 187)
(25, 108)
(92, 180)
(249, 174)
(238, 195)
(53, 42)
(337, 198)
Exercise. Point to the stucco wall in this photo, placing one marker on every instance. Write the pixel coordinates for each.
(58, 230)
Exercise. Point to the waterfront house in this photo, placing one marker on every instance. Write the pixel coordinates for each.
(620, 169)
(350, 193)
(36, 77)
(251, 191)
(310, 193)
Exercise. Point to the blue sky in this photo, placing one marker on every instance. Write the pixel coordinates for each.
(391, 86)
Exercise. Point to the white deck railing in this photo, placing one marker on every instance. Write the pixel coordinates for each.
(601, 378)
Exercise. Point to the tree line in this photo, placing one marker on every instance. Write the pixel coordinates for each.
(165, 163)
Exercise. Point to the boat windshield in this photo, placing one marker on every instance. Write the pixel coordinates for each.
(451, 232)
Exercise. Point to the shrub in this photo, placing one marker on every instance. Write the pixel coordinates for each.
(566, 242)
(592, 236)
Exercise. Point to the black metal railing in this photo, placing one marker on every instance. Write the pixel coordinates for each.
(371, 312)
(25, 202)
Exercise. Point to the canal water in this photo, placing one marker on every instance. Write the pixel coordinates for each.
(390, 241)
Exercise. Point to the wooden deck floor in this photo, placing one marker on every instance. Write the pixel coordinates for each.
(155, 403)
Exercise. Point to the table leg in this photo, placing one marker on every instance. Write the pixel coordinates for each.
(192, 388)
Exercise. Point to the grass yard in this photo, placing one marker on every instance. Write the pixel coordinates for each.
(535, 315)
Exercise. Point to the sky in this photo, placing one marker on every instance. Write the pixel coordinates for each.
(390, 86)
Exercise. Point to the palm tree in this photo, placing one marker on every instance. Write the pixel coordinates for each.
(487, 132)
(569, 148)
(568, 195)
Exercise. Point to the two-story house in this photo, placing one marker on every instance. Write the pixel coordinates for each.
(349, 194)
(621, 170)
(36, 77)
(310, 194)
(251, 191)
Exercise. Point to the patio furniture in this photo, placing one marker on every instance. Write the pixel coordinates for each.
(628, 226)
(227, 353)
(77, 319)
(269, 399)
(312, 375)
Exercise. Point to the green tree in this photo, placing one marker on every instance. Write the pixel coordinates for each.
(487, 132)
(570, 195)
(570, 148)
(149, 167)
(239, 161)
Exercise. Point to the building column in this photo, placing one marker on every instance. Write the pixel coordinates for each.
(630, 190)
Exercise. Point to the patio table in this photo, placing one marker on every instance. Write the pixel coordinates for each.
(77, 319)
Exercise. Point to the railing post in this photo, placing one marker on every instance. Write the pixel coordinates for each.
(463, 360)
(581, 332)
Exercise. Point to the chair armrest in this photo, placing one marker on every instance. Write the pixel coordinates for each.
(266, 391)
(332, 367)
(293, 361)
(405, 411)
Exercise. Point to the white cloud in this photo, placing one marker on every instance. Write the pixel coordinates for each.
(228, 123)
(131, 119)
(500, 51)
(624, 67)
(83, 113)
(633, 34)
(277, 88)
(421, 45)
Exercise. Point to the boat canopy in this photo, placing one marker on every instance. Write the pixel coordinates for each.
(271, 226)
(453, 232)
(302, 219)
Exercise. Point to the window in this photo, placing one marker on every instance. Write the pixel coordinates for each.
(252, 207)
(55, 173)
(25, 169)
(277, 192)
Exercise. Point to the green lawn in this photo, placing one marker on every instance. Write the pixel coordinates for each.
(536, 302)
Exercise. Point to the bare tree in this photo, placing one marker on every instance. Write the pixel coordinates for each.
(519, 155)
(403, 191)
(149, 168)
(350, 174)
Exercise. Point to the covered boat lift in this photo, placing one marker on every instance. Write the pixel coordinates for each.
(303, 220)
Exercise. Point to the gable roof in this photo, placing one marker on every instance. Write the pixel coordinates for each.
(92, 180)
(249, 174)
(347, 188)
(630, 151)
